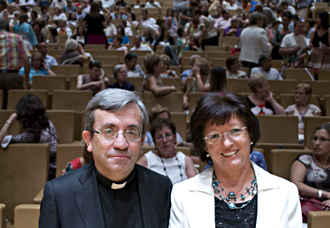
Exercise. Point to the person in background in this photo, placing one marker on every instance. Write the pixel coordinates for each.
(121, 31)
(269, 16)
(309, 172)
(164, 39)
(63, 29)
(72, 19)
(181, 39)
(133, 69)
(120, 74)
(233, 29)
(80, 36)
(152, 4)
(37, 31)
(59, 15)
(58, 3)
(26, 31)
(224, 21)
(154, 67)
(164, 159)
(309, 25)
(302, 107)
(69, 7)
(33, 18)
(233, 71)
(38, 67)
(73, 54)
(189, 72)
(45, 14)
(94, 81)
(30, 112)
(265, 62)
(262, 101)
(170, 13)
(116, 44)
(49, 60)
(80, 13)
(167, 72)
(279, 35)
(218, 80)
(139, 46)
(110, 30)
(148, 36)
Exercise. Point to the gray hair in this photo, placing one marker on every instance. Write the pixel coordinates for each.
(256, 17)
(193, 57)
(263, 57)
(3, 23)
(117, 69)
(113, 100)
(71, 45)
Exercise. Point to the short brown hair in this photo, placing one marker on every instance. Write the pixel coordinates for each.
(165, 59)
(256, 81)
(203, 65)
(306, 87)
(156, 110)
(150, 61)
(230, 61)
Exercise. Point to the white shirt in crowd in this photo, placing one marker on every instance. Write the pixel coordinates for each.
(221, 23)
(107, 3)
(233, 7)
(87, 9)
(272, 74)
(61, 17)
(143, 47)
(110, 30)
(150, 22)
(59, 4)
(67, 30)
(153, 5)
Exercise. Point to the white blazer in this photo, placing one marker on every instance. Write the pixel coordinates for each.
(193, 202)
(253, 42)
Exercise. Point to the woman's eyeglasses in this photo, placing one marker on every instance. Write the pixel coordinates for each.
(215, 137)
(168, 136)
(321, 139)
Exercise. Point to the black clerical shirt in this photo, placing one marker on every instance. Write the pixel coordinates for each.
(120, 201)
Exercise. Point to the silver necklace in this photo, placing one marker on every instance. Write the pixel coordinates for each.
(176, 158)
(253, 190)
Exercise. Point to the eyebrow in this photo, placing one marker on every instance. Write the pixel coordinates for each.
(113, 125)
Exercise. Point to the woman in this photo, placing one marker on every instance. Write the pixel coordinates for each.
(116, 44)
(31, 114)
(167, 72)
(286, 18)
(95, 25)
(121, 31)
(73, 21)
(45, 14)
(154, 67)
(170, 13)
(59, 15)
(54, 39)
(302, 108)
(94, 81)
(26, 31)
(309, 172)
(233, 192)
(164, 160)
(148, 36)
(218, 80)
(242, 20)
(294, 47)
(37, 31)
(120, 74)
(233, 71)
(262, 101)
(38, 67)
(80, 36)
(233, 29)
(320, 39)
(73, 54)
(164, 39)
(201, 80)
(3, 10)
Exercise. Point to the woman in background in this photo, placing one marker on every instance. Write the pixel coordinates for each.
(94, 81)
(120, 74)
(233, 71)
(26, 31)
(218, 80)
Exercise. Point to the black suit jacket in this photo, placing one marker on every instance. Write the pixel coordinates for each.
(73, 201)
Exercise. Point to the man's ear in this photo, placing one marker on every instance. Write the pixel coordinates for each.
(143, 138)
(88, 140)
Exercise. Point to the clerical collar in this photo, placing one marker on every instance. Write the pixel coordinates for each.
(114, 185)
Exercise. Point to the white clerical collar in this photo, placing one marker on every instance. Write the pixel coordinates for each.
(118, 186)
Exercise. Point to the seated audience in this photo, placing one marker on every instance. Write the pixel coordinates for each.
(310, 173)
(171, 52)
(54, 40)
(72, 20)
(309, 25)
(189, 72)
(193, 45)
(154, 67)
(165, 38)
(233, 29)
(94, 81)
(302, 107)
(116, 44)
(80, 36)
(120, 31)
(69, 7)
(233, 71)
(148, 36)
(170, 13)
(218, 80)
(164, 159)
(49, 60)
(31, 114)
(171, 28)
(152, 4)
(37, 31)
(63, 29)
(110, 30)
(167, 72)
(223, 22)
(265, 62)
(116, 13)
(262, 101)
(120, 74)
(139, 46)
(201, 80)
(73, 54)
(59, 15)
(279, 35)
(243, 21)
(45, 14)
(147, 21)
(181, 39)
(125, 24)
(133, 69)
(38, 67)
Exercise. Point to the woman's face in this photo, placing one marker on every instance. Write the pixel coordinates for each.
(36, 62)
(116, 42)
(159, 67)
(119, 30)
(298, 29)
(285, 21)
(45, 10)
(318, 20)
(121, 76)
(235, 66)
(57, 11)
(169, 13)
(73, 16)
(36, 28)
(231, 152)
(240, 16)
(300, 96)
(165, 140)
(80, 31)
(95, 73)
(264, 90)
(321, 148)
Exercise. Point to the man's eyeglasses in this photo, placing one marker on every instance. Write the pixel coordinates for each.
(321, 139)
(215, 137)
(168, 136)
(109, 134)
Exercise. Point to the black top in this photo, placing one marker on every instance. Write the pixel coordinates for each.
(94, 25)
(228, 218)
(127, 86)
(324, 39)
(121, 207)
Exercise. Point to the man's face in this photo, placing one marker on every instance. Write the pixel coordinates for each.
(144, 15)
(226, 16)
(79, 9)
(131, 64)
(116, 157)
(137, 41)
(267, 64)
(43, 49)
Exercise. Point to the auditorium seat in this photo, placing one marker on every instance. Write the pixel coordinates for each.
(26, 216)
(66, 70)
(193, 100)
(173, 101)
(48, 82)
(216, 54)
(141, 53)
(23, 172)
(319, 87)
(318, 219)
(238, 85)
(216, 48)
(311, 122)
(323, 75)
(281, 161)
(64, 122)
(175, 81)
(180, 121)
(108, 60)
(71, 99)
(327, 105)
(277, 63)
(66, 153)
(94, 46)
(289, 99)
(2, 215)
(120, 54)
(230, 41)
(219, 62)
(73, 82)
(14, 95)
(188, 54)
(283, 86)
(16, 126)
(299, 74)
(177, 69)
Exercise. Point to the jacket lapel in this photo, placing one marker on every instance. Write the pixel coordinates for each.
(146, 196)
(88, 199)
